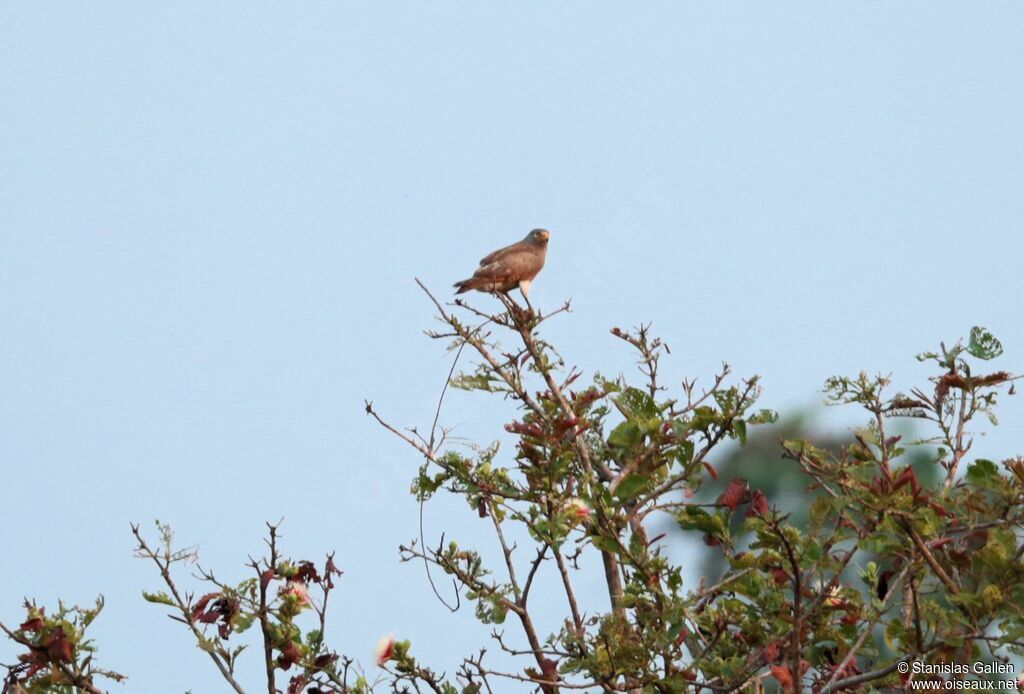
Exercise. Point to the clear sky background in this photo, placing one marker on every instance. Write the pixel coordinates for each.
(212, 214)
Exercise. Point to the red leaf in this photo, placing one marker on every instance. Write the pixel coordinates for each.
(58, 647)
(290, 654)
(683, 633)
(711, 471)
(199, 609)
(954, 380)
(784, 677)
(907, 476)
(734, 494)
(209, 610)
(34, 624)
(758, 504)
(549, 669)
(306, 573)
(324, 660)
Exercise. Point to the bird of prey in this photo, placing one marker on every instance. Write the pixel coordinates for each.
(510, 267)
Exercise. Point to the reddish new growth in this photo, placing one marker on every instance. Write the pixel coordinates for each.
(735, 494)
(215, 607)
(58, 652)
(739, 492)
(50, 647)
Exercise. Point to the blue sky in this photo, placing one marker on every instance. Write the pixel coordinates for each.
(212, 214)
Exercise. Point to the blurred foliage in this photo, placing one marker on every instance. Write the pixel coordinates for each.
(762, 464)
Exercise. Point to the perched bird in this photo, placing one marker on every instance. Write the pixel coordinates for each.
(510, 267)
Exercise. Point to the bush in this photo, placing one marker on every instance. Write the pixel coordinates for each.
(885, 567)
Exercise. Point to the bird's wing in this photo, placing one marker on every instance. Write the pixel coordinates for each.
(500, 268)
(515, 263)
(503, 252)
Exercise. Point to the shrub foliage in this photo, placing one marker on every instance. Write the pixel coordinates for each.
(895, 562)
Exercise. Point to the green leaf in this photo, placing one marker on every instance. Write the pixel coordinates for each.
(740, 427)
(695, 518)
(636, 545)
(984, 473)
(605, 544)
(631, 486)
(870, 575)
(478, 381)
(626, 435)
(160, 598)
(635, 403)
(984, 344)
(684, 454)
(244, 621)
(764, 417)
(820, 509)
(813, 552)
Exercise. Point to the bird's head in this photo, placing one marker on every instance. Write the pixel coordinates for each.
(539, 237)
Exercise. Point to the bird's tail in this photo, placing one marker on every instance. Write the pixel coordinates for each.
(466, 285)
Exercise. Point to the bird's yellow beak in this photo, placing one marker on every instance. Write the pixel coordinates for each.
(545, 235)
